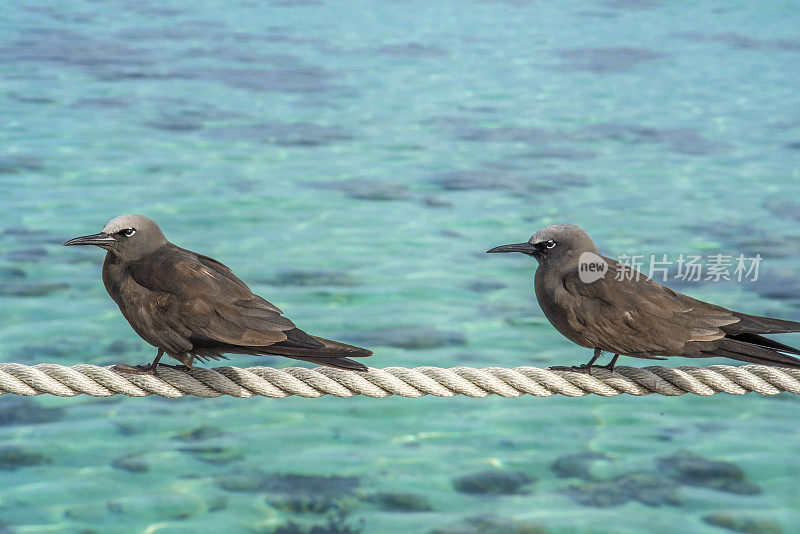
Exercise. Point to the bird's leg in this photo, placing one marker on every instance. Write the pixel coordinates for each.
(186, 362)
(585, 368)
(149, 369)
(153, 365)
(612, 363)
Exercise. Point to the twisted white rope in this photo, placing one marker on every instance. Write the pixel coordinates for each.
(276, 383)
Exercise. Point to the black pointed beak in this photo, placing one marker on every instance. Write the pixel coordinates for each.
(526, 248)
(99, 240)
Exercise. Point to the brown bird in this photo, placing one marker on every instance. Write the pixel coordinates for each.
(634, 316)
(192, 307)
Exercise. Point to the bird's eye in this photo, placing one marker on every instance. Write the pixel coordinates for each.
(128, 232)
(550, 244)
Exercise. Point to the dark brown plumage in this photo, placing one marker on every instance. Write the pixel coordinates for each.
(632, 315)
(190, 306)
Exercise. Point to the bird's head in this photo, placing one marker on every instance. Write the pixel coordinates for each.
(128, 236)
(558, 243)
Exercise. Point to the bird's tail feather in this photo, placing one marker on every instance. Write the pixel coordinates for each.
(331, 354)
(348, 350)
(762, 325)
(762, 341)
(737, 349)
(337, 363)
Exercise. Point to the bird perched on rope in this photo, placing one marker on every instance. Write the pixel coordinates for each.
(190, 306)
(585, 298)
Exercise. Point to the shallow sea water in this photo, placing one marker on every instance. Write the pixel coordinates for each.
(352, 162)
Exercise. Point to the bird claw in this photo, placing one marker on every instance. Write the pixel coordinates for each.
(134, 369)
(179, 367)
(584, 369)
(573, 368)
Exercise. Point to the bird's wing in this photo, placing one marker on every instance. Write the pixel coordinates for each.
(210, 302)
(631, 314)
(223, 270)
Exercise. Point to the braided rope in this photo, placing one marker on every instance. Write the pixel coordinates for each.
(97, 381)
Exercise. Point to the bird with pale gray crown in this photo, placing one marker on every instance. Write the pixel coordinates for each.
(631, 315)
(190, 306)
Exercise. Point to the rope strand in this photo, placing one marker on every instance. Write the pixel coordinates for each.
(64, 381)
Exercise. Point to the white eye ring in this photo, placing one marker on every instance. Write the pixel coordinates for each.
(550, 244)
(129, 232)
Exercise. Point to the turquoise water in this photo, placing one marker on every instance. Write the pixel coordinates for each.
(352, 162)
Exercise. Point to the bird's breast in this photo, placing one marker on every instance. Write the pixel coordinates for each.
(113, 277)
(560, 310)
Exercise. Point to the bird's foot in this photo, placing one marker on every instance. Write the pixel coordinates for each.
(135, 369)
(179, 367)
(584, 368)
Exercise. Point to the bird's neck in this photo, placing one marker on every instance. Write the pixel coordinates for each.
(560, 266)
